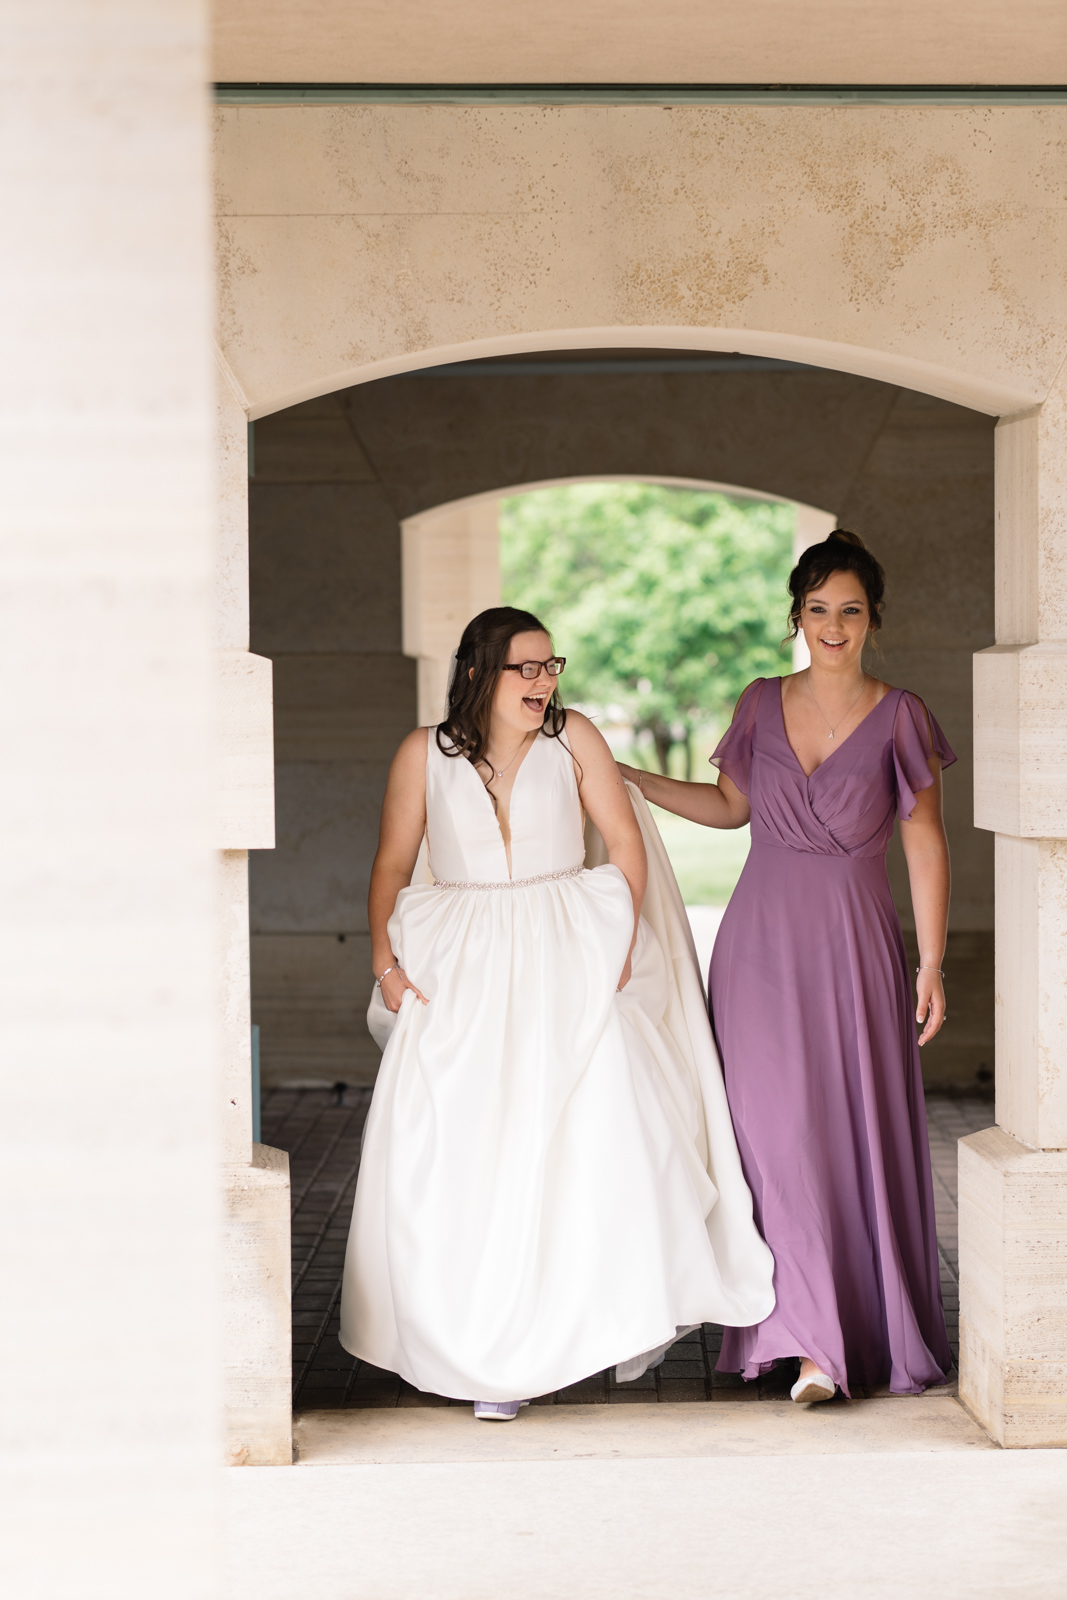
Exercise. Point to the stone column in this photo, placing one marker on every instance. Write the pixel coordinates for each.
(451, 572)
(257, 1321)
(109, 1120)
(1013, 1178)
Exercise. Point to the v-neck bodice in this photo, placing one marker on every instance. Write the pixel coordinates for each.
(848, 805)
(462, 829)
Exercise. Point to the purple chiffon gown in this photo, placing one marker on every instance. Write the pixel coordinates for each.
(813, 1009)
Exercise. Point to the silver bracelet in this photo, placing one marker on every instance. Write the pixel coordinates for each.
(929, 969)
(394, 968)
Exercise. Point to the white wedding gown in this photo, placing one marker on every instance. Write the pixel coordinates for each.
(549, 1182)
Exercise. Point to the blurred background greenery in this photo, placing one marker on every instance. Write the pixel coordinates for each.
(666, 603)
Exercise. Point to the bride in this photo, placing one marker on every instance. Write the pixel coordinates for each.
(549, 1182)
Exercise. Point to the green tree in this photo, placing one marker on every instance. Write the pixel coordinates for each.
(666, 602)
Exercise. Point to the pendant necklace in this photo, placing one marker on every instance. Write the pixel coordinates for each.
(840, 720)
(511, 763)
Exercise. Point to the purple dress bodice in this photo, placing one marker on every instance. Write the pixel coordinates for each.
(849, 804)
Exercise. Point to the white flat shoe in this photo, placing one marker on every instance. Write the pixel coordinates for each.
(498, 1410)
(806, 1391)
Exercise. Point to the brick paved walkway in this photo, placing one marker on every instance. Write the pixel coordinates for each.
(322, 1137)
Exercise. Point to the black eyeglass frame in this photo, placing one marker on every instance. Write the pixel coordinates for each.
(520, 666)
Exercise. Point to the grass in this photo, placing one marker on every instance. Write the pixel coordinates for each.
(707, 861)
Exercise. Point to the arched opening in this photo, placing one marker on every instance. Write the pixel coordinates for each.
(337, 477)
(349, 484)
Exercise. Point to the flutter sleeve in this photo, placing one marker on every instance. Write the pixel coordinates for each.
(733, 753)
(916, 737)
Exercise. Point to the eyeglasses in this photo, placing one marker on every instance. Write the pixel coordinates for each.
(532, 669)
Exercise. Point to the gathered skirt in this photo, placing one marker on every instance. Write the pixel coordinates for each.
(532, 1205)
(813, 1011)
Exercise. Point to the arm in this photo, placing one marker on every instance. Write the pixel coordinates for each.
(713, 805)
(603, 794)
(400, 836)
(926, 851)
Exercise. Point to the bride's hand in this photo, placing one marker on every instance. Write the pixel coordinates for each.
(627, 973)
(393, 986)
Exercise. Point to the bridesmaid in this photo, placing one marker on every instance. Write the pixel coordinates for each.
(811, 999)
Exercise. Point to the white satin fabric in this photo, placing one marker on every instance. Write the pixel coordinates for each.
(549, 1182)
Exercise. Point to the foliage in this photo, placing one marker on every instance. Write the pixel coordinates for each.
(666, 602)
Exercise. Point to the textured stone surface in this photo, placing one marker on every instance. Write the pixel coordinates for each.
(109, 1062)
(1013, 1292)
(245, 763)
(1031, 990)
(358, 240)
(915, 1424)
(622, 41)
(256, 1311)
(967, 1526)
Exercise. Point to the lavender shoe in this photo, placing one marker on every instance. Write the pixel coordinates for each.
(498, 1410)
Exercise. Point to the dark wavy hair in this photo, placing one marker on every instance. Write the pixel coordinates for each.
(484, 647)
(841, 552)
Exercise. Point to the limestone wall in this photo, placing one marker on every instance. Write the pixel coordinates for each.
(921, 246)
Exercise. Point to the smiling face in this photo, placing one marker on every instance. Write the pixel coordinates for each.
(519, 703)
(835, 622)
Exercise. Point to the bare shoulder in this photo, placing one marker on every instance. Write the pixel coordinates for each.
(584, 737)
(411, 756)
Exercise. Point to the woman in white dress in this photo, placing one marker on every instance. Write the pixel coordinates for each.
(549, 1182)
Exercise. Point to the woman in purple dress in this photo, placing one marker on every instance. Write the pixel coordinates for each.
(811, 999)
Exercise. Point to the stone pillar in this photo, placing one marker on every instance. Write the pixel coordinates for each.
(109, 1121)
(257, 1321)
(451, 572)
(1013, 1178)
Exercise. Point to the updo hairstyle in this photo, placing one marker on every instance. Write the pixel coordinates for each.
(841, 552)
(484, 647)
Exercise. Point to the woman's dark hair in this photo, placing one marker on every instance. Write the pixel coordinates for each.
(841, 552)
(484, 647)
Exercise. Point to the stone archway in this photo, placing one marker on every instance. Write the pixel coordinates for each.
(339, 477)
(359, 241)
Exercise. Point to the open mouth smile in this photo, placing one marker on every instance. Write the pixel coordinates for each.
(535, 702)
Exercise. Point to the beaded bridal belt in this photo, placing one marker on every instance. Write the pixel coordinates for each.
(514, 883)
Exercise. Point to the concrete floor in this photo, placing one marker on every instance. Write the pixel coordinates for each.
(401, 1496)
(968, 1525)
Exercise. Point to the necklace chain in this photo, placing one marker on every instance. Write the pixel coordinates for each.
(840, 720)
(513, 760)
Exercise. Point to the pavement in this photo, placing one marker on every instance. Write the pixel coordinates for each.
(630, 1492)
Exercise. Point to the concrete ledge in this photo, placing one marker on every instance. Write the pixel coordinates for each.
(1020, 740)
(257, 1312)
(636, 1432)
(1013, 1289)
(245, 733)
(976, 1525)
